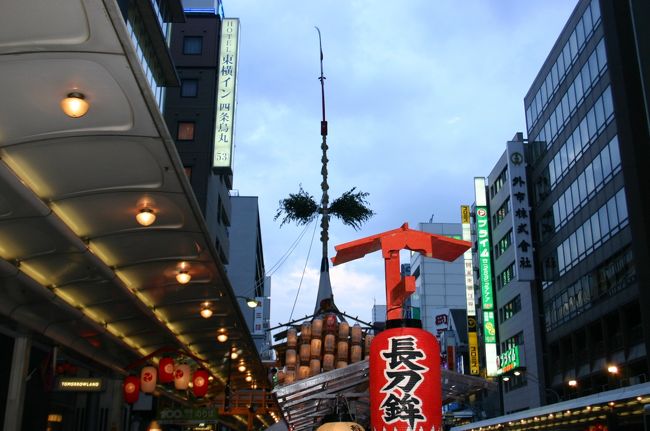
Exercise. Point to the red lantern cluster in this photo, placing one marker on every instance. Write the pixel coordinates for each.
(166, 372)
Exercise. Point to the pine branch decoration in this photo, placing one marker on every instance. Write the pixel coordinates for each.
(352, 208)
(298, 207)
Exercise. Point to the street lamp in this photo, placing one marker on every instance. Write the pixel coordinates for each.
(251, 302)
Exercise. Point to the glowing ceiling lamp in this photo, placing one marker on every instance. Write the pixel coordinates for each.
(206, 311)
(183, 276)
(75, 105)
(146, 216)
(222, 335)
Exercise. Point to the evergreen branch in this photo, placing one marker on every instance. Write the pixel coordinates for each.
(298, 207)
(352, 208)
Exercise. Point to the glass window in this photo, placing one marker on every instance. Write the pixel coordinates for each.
(591, 124)
(595, 229)
(604, 222)
(595, 11)
(568, 258)
(601, 54)
(593, 67)
(185, 131)
(551, 172)
(554, 79)
(192, 45)
(574, 247)
(587, 20)
(614, 153)
(578, 87)
(560, 257)
(556, 213)
(580, 33)
(587, 234)
(571, 94)
(612, 214)
(598, 171)
(589, 176)
(573, 43)
(561, 209)
(600, 113)
(566, 111)
(564, 162)
(582, 187)
(575, 195)
(560, 61)
(584, 133)
(580, 240)
(621, 206)
(586, 79)
(607, 164)
(189, 88)
(608, 103)
(577, 141)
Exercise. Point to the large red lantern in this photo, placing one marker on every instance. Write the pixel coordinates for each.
(166, 370)
(131, 389)
(405, 386)
(200, 382)
(148, 379)
(182, 377)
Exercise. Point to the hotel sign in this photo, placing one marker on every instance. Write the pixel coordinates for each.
(226, 86)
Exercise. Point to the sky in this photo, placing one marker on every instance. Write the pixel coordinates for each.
(421, 97)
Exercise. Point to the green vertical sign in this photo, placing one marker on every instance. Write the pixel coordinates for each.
(485, 264)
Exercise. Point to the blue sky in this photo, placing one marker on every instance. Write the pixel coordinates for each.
(421, 97)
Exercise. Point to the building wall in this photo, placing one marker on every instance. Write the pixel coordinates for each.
(587, 124)
(194, 102)
(440, 285)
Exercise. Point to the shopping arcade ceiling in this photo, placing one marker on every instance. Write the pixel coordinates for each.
(76, 266)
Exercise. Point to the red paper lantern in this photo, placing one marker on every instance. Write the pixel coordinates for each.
(182, 376)
(148, 379)
(200, 382)
(405, 387)
(131, 389)
(166, 370)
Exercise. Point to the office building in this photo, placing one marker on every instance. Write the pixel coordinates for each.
(587, 120)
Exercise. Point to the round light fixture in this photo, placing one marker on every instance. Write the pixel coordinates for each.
(612, 369)
(206, 311)
(249, 378)
(146, 216)
(234, 354)
(517, 373)
(506, 378)
(252, 302)
(183, 277)
(241, 367)
(573, 383)
(222, 336)
(75, 105)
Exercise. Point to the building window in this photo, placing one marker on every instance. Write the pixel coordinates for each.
(506, 276)
(499, 182)
(185, 131)
(189, 87)
(510, 309)
(503, 244)
(192, 45)
(501, 213)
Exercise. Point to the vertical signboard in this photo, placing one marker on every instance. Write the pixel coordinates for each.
(485, 275)
(226, 86)
(472, 338)
(520, 211)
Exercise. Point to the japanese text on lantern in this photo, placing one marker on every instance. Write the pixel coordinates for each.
(404, 372)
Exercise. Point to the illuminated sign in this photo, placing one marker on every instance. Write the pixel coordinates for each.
(187, 416)
(508, 360)
(485, 264)
(80, 384)
(227, 79)
(472, 336)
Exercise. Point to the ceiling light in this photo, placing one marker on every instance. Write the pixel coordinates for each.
(573, 383)
(183, 277)
(75, 105)
(517, 373)
(222, 336)
(241, 367)
(252, 302)
(234, 354)
(206, 311)
(249, 378)
(146, 216)
(612, 369)
(506, 378)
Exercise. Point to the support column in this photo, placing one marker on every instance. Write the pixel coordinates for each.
(17, 382)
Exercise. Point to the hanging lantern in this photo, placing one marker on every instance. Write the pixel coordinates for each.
(200, 381)
(131, 389)
(166, 370)
(182, 377)
(340, 426)
(148, 379)
(405, 369)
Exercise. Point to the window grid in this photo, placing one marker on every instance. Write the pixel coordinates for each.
(506, 276)
(503, 244)
(572, 48)
(501, 213)
(510, 309)
(499, 182)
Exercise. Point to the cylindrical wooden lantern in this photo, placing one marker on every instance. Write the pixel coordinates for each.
(405, 364)
(329, 343)
(315, 348)
(367, 341)
(305, 332)
(290, 358)
(292, 338)
(148, 379)
(342, 350)
(305, 353)
(166, 370)
(355, 334)
(317, 327)
(303, 372)
(131, 389)
(200, 382)
(328, 361)
(290, 375)
(344, 330)
(330, 323)
(314, 367)
(182, 376)
(341, 364)
(355, 353)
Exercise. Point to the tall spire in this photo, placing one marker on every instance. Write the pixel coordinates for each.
(325, 297)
